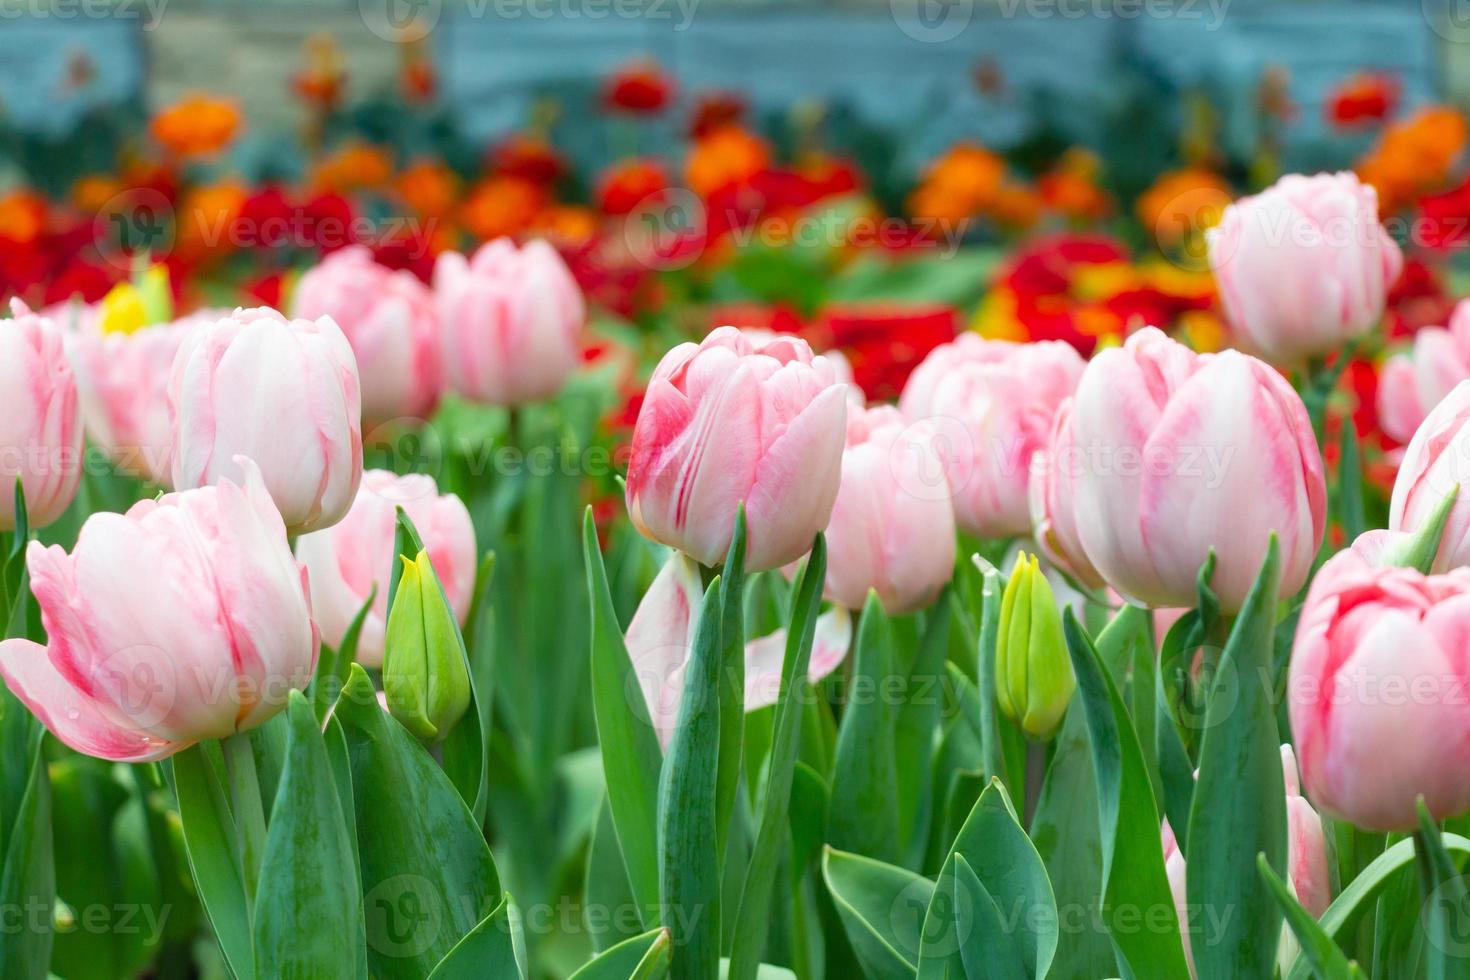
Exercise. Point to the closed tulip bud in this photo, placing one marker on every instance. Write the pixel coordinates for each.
(1175, 454)
(184, 619)
(389, 318)
(40, 421)
(1436, 462)
(1033, 673)
(993, 403)
(347, 560)
(1304, 266)
(512, 321)
(425, 676)
(282, 392)
(1376, 688)
(726, 421)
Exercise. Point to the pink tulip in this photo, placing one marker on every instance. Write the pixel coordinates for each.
(994, 403)
(660, 640)
(183, 619)
(1177, 453)
(1306, 868)
(1304, 267)
(892, 530)
(1052, 495)
(347, 559)
(1411, 384)
(725, 421)
(1435, 461)
(40, 421)
(1376, 690)
(123, 381)
(282, 392)
(512, 322)
(390, 319)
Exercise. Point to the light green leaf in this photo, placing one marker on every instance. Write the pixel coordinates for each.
(213, 846)
(882, 908)
(862, 816)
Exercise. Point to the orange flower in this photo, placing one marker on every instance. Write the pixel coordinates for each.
(1016, 206)
(960, 184)
(205, 216)
(1183, 203)
(501, 206)
(428, 187)
(1414, 157)
(566, 224)
(321, 82)
(729, 155)
(624, 185)
(355, 166)
(1071, 189)
(198, 125)
(22, 216)
(91, 193)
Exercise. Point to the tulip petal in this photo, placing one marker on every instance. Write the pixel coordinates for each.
(765, 657)
(660, 639)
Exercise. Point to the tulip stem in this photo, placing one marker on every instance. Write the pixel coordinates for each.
(245, 801)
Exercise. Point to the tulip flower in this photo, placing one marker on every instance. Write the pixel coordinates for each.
(348, 559)
(1376, 688)
(1307, 865)
(725, 421)
(1053, 511)
(1033, 672)
(1411, 384)
(392, 323)
(184, 619)
(511, 320)
(425, 675)
(1176, 454)
(1304, 267)
(994, 403)
(40, 421)
(1436, 461)
(282, 392)
(122, 376)
(891, 530)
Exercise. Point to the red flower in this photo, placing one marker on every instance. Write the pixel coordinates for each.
(1365, 98)
(714, 110)
(885, 342)
(528, 158)
(83, 280)
(1446, 218)
(639, 88)
(625, 185)
(328, 222)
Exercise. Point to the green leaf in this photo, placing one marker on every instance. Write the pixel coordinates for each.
(333, 665)
(732, 682)
(862, 816)
(1016, 889)
(689, 864)
(427, 875)
(1132, 851)
(1445, 901)
(1351, 514)
(753, 916)
(28, 878)
(988, 949)
(631, 757)
(882, 908)
(213, 846)
(1420, 547)
(992, 746)
(494, 948)
(1318, 949)
(307, 909)
(645, 957)
(606, 889)
(914, 737)
(1239, 806)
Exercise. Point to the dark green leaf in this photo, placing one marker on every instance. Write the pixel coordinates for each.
(28, 878)
(214, 855)
(1318, 949)
(862, 816)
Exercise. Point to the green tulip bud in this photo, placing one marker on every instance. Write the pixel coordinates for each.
(425, 677)
(1033, 673)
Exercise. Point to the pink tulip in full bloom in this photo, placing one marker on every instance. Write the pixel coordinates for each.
(660, 640)
(1377, 689)
(123, 380)
(1177, 453)
(891, 530)
(1053, 513)
(1304, 266)
(1412, 383)
(183, 619)
(993, 403)
(347, 559)
(40, 419)
(511, 320)
(390, 319)
(1435, 461)
(282, 392)
(725, 421)
(1306, 867)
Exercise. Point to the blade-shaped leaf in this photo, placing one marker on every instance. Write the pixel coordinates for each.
(732, 681)
(862, 816)
(1317, 948)
(28, 877)
(213, 846)
(494, 948)
(882, 908)
(641, 956)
